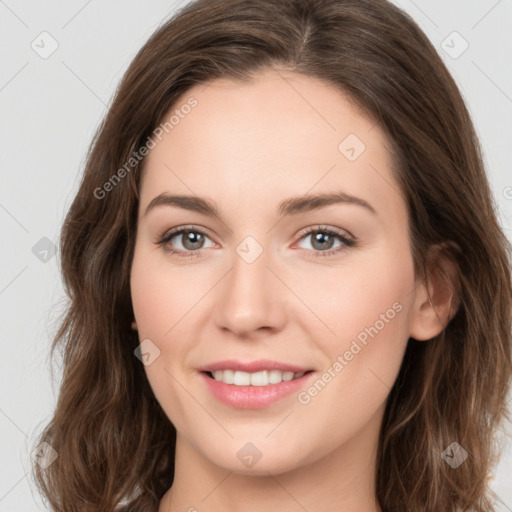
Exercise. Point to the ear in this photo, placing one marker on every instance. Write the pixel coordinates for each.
(134, 325)
(437, 300)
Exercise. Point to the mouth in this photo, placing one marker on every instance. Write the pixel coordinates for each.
(254, 384)
(256, 379)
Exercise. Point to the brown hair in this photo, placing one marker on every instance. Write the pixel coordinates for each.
(113, 440)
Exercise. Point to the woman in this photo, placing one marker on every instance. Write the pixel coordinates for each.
(288, 286)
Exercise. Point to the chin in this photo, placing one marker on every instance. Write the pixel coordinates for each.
(245, 458)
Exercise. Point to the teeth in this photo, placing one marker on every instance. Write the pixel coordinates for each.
(263, 378)
(242, 379)
(228, 376)
(275, 377)
(259, 378)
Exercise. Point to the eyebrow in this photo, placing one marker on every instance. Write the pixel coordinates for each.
(291, 206)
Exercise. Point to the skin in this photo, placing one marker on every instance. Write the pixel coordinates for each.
(247, 146)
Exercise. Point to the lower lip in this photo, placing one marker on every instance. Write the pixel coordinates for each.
(253, 397)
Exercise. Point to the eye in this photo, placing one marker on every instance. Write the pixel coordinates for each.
(190, 239)
(323, 239)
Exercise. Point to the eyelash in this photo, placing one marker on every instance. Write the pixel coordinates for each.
(167, 236)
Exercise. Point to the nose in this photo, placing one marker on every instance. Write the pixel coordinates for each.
(251, 299)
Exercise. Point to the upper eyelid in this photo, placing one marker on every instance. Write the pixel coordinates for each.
(323, 227)
(178, 230)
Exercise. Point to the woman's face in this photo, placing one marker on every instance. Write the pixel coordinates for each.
(305, 267)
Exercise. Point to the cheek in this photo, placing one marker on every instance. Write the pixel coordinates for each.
(160, 302)
(369, 312)
(161, 295)
(367, 305)
(368, 289)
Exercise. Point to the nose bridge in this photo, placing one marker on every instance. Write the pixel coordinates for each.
(250, 297)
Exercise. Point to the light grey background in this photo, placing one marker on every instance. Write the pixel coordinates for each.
(50, 108)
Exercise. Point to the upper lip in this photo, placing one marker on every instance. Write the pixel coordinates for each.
(253, 366)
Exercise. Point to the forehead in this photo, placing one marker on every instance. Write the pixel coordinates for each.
(280, 133)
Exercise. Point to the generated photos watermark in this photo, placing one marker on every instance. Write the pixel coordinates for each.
(137, 156)
(342, 360)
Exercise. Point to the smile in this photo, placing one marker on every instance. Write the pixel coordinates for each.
(253, 384)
